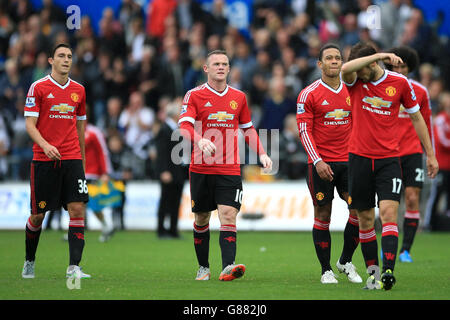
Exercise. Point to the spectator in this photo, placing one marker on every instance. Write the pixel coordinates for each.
(136, 121)
(111, 38)
(435, 89)
(137, 39)
(171, 175)
(110, 124)
(147, 77)
(157, 12)
(121, 161)
(292, 158)
(245, 62)
(349, 36)
(12, 88)
(4, 148)
(276, 105)
(172, 69)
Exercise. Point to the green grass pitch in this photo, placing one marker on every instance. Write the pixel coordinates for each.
(280, 266)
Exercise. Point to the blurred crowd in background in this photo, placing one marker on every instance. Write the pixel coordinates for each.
(143, 59)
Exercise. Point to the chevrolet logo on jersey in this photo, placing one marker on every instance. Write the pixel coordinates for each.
(337, 114)
(62, 108)
(221, 116)
(377, 102)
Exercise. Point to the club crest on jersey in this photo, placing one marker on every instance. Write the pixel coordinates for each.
(30, 102)
(300, 108)
(337, 114)
(348, 100)
(233, 105)
(377, 102)
(75, 97)
(391, 91)
(221, 116)
(62, 108)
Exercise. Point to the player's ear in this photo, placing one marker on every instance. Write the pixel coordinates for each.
(319, 64)
(205, 67)
(50, 60)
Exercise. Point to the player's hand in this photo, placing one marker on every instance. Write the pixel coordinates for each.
(166, 177)
(324, 171)
(104, 178)
(432, 167)
(266, 163)
(51, 152)
(207, 147)
(390, 58)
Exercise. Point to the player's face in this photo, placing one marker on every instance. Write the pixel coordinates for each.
(401, 68)
(366, 74)
(217, 67)
(331, 62)
(62, 60)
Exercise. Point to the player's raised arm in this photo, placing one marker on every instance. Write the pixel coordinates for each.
(351, 67)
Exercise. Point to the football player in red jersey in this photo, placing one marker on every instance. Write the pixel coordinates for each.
(214, 173)
(411, 149)
(440, 187)
(374, 163)
(55, 112)
(324, 121)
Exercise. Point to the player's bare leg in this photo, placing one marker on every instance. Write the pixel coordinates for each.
(411, 222)
(77, 212)
(201, 244)
(32, 232)
(227, 241)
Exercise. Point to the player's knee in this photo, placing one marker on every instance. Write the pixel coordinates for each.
(76, 209)
(37, 219)
(323, 213)
(388, 215)
(411, 200)
(202, 218)
(366, 219)
(228, 215)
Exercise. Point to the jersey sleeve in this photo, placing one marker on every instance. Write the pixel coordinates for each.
(32, 102)
(188, 109)
(81, 110)
(245, 119)
(305, 123)
(408, 97)
(425, 110)
(103, 153)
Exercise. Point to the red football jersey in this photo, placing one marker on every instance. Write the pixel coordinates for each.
(442, 140)
(97, 154)
(409, 141)
(324, 121)
(216, 116)
(375, 114)
(57, 108)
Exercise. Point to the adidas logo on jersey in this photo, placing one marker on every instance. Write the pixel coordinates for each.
(50, 96)
(325, 103)
(208, 104)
